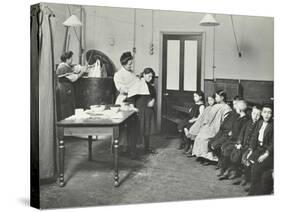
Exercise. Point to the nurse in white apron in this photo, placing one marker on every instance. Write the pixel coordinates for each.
(128, 85)
(126, 81)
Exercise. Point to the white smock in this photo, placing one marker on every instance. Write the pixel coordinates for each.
(130, 84)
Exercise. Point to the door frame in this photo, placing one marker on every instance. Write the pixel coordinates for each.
(160, 75)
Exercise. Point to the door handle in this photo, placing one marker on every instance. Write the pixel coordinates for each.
(166, 94)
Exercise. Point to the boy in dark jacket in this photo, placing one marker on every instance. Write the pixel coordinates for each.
(216, 142)
(229, 144)
(240, 151)
(261, 149)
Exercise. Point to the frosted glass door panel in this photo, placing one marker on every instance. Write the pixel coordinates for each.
(173, 64)
(190, 65)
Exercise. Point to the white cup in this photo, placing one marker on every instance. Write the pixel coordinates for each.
(79, 112)
(126, 107)
(93, 107)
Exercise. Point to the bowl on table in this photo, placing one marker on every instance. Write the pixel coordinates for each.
(97, 108)
(115, 108)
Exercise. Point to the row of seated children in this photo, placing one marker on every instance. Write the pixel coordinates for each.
(250, 155)
(241, 145)
(205, 117)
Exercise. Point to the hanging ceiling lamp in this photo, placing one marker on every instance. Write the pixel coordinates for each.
(72, 21)
(209, 20)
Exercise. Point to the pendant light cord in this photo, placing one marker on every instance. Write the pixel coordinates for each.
(152, 26)
(134, 39)
(73, 27)
(235, 37)
(134, 36)
(214, 53)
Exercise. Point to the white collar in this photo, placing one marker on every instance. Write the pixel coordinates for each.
(125, 70)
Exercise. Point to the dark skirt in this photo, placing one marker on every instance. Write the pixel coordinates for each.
(65, 99)
(146, 116)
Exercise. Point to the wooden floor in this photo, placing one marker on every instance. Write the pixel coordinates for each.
(167, 176)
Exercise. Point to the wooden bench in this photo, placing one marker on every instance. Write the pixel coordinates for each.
(181, 109)
(175, 118)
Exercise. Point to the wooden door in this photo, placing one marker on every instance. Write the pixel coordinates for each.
(181, 70)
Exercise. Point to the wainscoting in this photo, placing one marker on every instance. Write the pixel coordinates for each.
(253, 91)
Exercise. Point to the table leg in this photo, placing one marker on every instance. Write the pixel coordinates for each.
(61, 163)
(90, 142)
(116, 174)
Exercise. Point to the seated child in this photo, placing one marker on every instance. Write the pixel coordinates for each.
(216, 142)
(194, 129)
(242, 146)
(228, 146)
(210, 128)
(194, 114)
(261, 149)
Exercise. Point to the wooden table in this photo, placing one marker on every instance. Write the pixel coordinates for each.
(92, 127)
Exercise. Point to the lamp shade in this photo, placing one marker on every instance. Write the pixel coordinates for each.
(209, 20)
(72, 21)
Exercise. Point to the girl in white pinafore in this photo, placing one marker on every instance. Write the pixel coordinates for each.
(210, 127)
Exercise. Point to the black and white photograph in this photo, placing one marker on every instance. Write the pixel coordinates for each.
(140, 105)
(134, 105)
